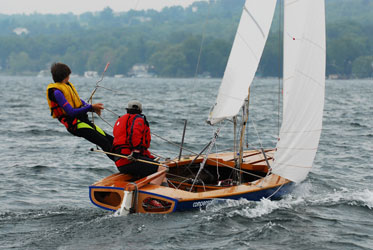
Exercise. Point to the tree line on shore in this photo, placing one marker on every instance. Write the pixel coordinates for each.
(178, 42)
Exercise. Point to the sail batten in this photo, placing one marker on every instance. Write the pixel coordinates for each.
(248, 45)
(257, 24)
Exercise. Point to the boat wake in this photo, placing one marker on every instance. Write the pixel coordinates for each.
(303, 196)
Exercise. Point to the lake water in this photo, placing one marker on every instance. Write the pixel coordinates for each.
(45, 172)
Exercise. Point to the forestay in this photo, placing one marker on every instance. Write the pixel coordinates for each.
(244, 58)
(304, 84)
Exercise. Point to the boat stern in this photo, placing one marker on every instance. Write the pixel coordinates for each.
(109, 198)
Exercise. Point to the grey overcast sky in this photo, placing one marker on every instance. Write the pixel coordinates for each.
(81, 6)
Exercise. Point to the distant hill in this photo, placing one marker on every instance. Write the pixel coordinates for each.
(170, 40)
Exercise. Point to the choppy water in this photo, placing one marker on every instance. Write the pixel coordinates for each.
(45, 172)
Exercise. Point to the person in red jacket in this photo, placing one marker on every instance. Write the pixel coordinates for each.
(132, 138)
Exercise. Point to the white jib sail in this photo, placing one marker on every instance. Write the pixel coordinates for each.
(304, 84)
(244, 58)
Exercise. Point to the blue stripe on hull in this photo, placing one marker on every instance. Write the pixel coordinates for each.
(252, 196)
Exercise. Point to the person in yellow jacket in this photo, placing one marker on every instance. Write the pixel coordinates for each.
(66, 106)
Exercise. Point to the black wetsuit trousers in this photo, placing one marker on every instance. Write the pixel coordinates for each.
(103, 141)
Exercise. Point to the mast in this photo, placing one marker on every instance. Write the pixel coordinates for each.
(245, 117)
(234, 138)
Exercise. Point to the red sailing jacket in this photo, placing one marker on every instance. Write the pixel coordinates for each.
(131, 133)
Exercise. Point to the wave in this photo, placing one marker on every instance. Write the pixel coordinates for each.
(19, 105)
(302, 196)
(30, 214)
(356, 124)
(360, 198)
(36, 132)
(64, 222)
(101, 171)
(37, 169)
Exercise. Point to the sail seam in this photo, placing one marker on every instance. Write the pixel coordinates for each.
(288, 78)
(294, 166)
(311, 78)
(303, 149)
(231, 97)
(256, 23)
(292, 3)
(313, 43)
(248, 46)
(305, 131)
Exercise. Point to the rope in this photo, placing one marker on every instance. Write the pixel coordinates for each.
(261, 145)
(112, 113)
(126, 157)
(279, 66)
(202, 41)
(257, 134)
(206, 156)
(269, 197)
(90, 99)
(135, 8)
(113, 90)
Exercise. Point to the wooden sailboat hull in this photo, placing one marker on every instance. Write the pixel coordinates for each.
(109, 192)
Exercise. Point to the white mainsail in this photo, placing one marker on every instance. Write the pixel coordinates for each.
(304, 84)
(248, 45)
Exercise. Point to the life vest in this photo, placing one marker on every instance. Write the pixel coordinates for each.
(71, 95)
(131, 132)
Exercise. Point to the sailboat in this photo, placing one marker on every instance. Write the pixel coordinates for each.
(196, 181)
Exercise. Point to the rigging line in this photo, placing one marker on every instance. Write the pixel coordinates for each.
(159, 156)
(202, 41)
(106, 121)
(261, 145)
(113, 90)
(278, 189)
(280, 32)
(205, 158)
(90, 100)
(198, 155)
(233, 168)
(221, 163)
(134, 9)
(112, 112)
(170, 182)
(126, 157)
(102, 77)
(257, 134)
(172, 143)
(183, 182)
